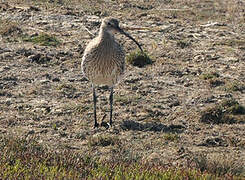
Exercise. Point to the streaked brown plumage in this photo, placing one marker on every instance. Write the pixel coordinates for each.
(103, 62)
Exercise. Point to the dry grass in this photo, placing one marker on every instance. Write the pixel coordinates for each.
(218, 164)
(8, 28)
(235, 86)
(103, 140)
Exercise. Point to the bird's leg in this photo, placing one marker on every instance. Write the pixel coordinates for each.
(111, 105)
(95, 100)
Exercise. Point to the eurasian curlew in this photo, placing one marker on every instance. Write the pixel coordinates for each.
(103, 62)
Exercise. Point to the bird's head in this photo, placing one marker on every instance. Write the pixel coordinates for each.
(111, 25)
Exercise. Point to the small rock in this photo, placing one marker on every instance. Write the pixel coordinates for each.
(31, 132)
(72, 80)
(44, 131)
(3, 50)
(34, 58)
(33, 8)
(56, 79)
(44, 81)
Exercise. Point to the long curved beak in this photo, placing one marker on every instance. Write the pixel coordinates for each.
(130, 37)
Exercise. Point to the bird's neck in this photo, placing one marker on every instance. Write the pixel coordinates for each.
(106, 37)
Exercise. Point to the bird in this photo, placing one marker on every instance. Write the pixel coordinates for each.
(103, 60)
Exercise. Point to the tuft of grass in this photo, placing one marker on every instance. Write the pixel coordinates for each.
(76, 109)
(210, 75)
(183, 43)
(213, 79)
(232, 106)
(65, 86)
(103, 140)
(228, 111)
(125, 100)
(171, 137)
(43, 39)
(235, 86)
(215, 82)
(138, 58)
(9, 28)
(67, 90)
(5, 93)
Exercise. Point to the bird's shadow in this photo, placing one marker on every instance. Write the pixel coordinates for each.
(151, 126)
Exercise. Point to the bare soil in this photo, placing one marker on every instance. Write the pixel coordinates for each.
(157, 108)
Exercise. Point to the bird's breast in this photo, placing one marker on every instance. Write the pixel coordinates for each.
(104, 63)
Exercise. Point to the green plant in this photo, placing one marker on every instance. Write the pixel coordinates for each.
(212, 78)
(138, 58)
(54, 126)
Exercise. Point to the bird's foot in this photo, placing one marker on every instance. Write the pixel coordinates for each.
(105, 125)
(96, 125)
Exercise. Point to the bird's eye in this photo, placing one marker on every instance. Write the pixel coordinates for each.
(109, 24)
